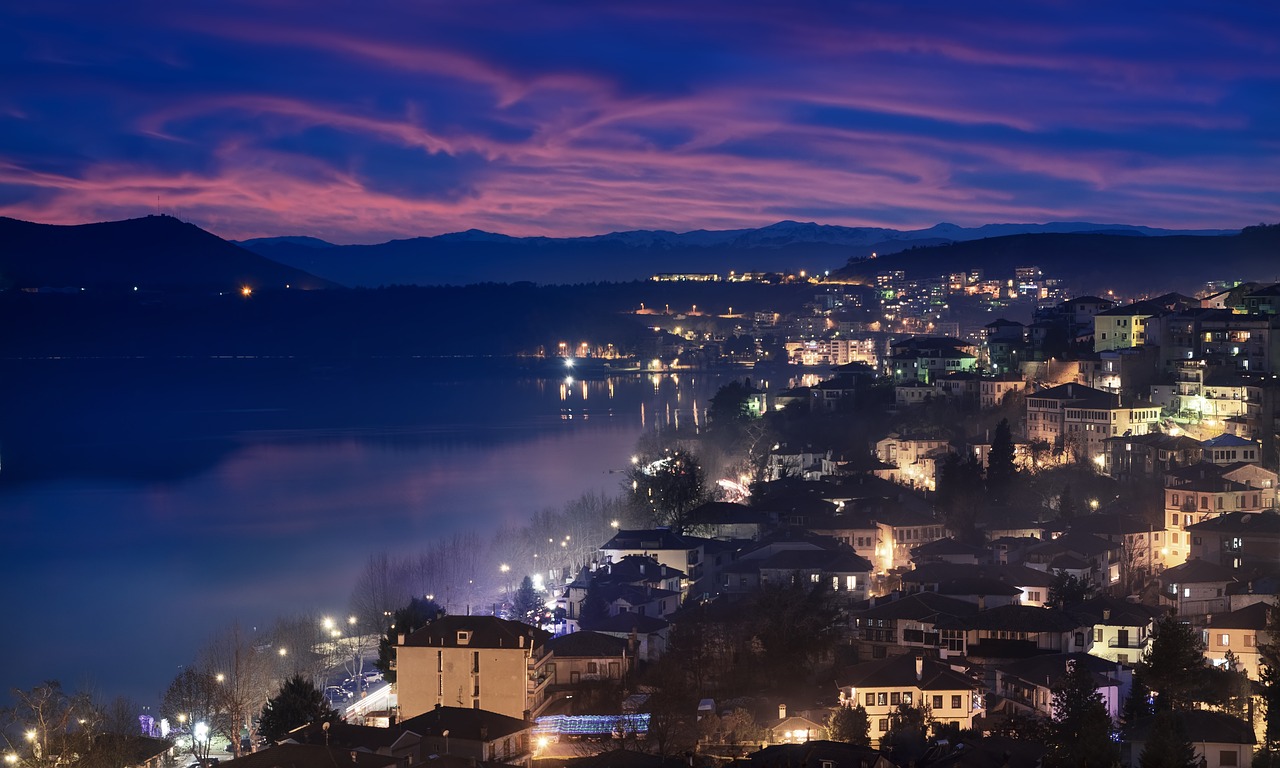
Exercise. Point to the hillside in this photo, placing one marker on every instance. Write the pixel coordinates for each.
(152, 253)
(1098, 262)
(476, 256)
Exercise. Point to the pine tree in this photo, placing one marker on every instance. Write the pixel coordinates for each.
(1002, 473)
(299, 702)
(414, 616)
(1080, 736)
(1269, 675)
(1066, 504)
(527, 603)
(594, 609)
(1173, 664)
(907, 737)
(1167, 745)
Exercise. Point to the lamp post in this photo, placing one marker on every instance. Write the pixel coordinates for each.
(446, 741)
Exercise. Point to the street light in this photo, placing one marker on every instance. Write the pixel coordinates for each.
(220, 677)
(446, 741)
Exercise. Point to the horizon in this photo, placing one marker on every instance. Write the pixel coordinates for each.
(530, 120)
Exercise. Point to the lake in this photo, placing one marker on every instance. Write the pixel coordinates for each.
(148, 503)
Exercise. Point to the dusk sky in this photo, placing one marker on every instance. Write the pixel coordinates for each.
(364, 121)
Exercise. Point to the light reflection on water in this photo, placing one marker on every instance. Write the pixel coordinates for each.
(162, 510)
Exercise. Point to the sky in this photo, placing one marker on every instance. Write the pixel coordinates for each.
(366, 121)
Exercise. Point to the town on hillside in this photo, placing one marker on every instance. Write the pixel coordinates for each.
(1041, 531)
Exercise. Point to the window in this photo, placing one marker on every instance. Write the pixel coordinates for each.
(882, 724)
(882, 699)
(871, 699)
(906, 698)
(593, 668)
(1186, 591)
(937, 702)
(1227, 757)
(895, 699)
(1250, 641)
(1097, 634)
(475, 662)
(1224, 640)
(955, 702)
(1079, 639)
(851, 582)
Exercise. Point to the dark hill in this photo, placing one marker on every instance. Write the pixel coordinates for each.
(1096, 262)
(152, 253)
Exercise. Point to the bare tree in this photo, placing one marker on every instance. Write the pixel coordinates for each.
(382, 586)
(47, 726)
(191, 706)
(243, 674)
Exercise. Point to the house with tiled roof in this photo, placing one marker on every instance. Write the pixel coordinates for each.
(725, 520)
(682, 553)
(1239, 632)
(587, 657)
(987, 586)
(405, 746)
(1025, 686)
(1150, 455)
(1019, 631)
(1196, 588)
(649, 632)
(1219, 740)
(913, 679)
(900, 622)
(292, 755)
(1238, 540)
(473, 734)
(1121, 629)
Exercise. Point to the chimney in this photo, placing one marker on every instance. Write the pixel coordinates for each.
(782, 711)
(919, 668)
(1106, 614)
(401, 639)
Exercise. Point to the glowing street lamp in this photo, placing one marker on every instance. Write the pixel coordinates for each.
(220, 677)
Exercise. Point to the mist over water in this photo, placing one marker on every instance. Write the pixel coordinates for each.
(147, 504)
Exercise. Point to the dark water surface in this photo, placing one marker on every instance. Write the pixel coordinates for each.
(146, 504)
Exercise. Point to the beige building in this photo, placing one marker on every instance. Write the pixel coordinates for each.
(1082, 418)
(1122, 327)
(880, 686)
(1238, 632)
(481, 662)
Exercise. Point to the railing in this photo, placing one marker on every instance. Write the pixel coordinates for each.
(1128, 643)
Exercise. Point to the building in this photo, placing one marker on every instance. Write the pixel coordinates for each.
(1121, 629)
(902, 623)
(586, 657)
(1239, 633)
(476, 735)
(1196, 589)
(1025, 686)
(1219, 740)
(682, 553)
(1081, 418)
(913, 679)
(1122, 327)
(477, 662)
(1238, 540)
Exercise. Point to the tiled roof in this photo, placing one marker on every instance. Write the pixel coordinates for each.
(1021, 618)
(486, 632)
(465, 723)
(1196, 572)
(586, 645)
(631, 622)
(1250, 617)
(1201, 725)
(1118, 613)
(1267, 522)
(311, 756)
(900, 671)
(920, 606)
(650, 539)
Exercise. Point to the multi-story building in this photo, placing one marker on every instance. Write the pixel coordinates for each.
(1239, 633)
(1238, 540)
(1122, 327)
(480, 662)
(1205, 491)
(913, 679)
(914, 458)
(1081, 418)
(1150, 455)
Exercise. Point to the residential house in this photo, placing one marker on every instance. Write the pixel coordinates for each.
(291, 755)
(725, 520)
(1017, 631)
(1238, 540)
(1121, 629)
(1123, 327)
(649, 633)
(1025, 686)
(476, 735)
(1239, 633)
(902, 622)
(1196, 588)
(1150, 455)
(682, 553)
(993, 389)
(1219, 740)
(482, 662)
(587, 657)
(913, 679)
(1080, 418)
(914, 458)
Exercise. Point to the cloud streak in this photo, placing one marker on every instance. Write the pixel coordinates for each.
(402, 122)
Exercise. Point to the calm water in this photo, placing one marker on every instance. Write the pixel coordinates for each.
(147, 504)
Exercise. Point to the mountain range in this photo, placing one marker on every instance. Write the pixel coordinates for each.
(477, 256)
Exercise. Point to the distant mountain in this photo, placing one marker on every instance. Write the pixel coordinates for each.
(152, 253)
(1122, 261)
(476, 256)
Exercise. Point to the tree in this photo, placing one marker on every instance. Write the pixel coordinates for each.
(381, 587)
(1002, 473)
(1269, 675)
(961, 495)
(299, 702)
(243, 676)
(527, 603)
(417, 614)
(1080, 736)
(907, 737)
(1068, 588)
(728, 413)
(1167, 745)
(850, 725)
(594, 609)
(1066, 504)
(1172, 665)
(669, 486)
(193, 707)
(46, 726)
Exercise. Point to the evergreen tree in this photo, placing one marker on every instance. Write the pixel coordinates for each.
(1002, 473)
(299, 702)
(961, 495)
(1167, 745)
(1138, 705)
(417, 614)
(907, 737)
(850, 725)
(1080, 736)
(1269, 675)
(527, 603)
(594, 609)
(668, 487)
(1173, 664)
(1068, 588)
(1066, 504)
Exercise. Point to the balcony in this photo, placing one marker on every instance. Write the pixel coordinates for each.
(1131, 642)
